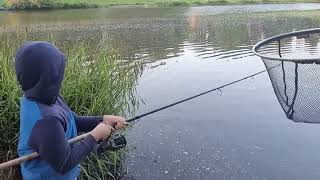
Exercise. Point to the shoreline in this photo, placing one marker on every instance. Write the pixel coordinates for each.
(173, 4)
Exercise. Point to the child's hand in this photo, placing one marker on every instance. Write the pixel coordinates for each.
(102, 132)
(115, 121)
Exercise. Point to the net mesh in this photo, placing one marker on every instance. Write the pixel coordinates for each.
(296, 82)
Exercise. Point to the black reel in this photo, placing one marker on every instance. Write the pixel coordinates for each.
(115, 143)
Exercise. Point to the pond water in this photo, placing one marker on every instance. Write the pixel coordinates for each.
(238, 132)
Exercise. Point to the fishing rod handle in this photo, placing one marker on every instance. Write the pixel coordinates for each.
(19, 160)
(34, 155)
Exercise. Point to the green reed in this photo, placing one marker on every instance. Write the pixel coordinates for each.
(95, 83)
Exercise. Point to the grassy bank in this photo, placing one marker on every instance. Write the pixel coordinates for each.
(95, 83)
(176, 2)
(65, 4)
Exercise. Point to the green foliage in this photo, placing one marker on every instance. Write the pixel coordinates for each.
(60, 5)
(178, 3)
(108, 166)
(45, 4)
(95, 83)
(28, 4)
(67, 4)
(9, 101)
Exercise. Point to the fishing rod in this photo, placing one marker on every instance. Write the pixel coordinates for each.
(119, 142)
(192, 97)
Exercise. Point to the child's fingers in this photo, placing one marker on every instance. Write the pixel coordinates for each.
(112, 128)
(121, 125)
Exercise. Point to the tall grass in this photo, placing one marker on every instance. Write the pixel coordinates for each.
(95, 83)
(9, 106)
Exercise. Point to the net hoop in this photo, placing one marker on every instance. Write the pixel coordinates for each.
(256, 48)
(292, 61)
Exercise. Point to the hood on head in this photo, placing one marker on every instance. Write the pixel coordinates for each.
(40, 70)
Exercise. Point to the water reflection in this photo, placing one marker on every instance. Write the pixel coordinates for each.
(237, 133)
(296, 82)
(164, 34)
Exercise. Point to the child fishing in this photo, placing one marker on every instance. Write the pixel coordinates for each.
(46, 121)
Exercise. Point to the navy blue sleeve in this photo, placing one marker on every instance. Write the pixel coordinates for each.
(86, 123)
(48, 139)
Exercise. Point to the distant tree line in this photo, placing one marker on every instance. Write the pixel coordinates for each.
(25, 4)
(43, 4)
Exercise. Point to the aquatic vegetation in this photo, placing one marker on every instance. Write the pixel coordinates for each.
(95, 83)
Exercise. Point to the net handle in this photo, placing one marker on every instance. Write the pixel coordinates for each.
(282, 36)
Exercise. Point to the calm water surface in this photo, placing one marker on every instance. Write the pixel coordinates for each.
(239, 132)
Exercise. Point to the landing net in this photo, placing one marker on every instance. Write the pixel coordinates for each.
(293, 64)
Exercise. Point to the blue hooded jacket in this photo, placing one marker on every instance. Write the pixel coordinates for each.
(46, 122)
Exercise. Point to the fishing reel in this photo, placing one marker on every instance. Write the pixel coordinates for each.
(113, 144)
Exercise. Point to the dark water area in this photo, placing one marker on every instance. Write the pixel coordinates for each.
(238, 132)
